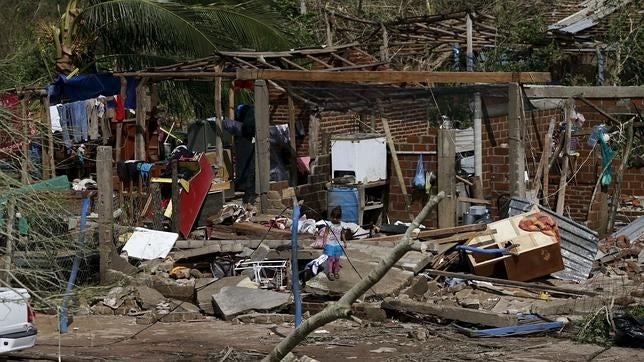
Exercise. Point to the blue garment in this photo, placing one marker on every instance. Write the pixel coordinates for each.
(65, 124)
(79, 121)
(333, 250)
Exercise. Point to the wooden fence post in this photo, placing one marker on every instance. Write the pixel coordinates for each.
(105, 183)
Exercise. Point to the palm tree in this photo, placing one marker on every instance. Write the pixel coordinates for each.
(117, 34)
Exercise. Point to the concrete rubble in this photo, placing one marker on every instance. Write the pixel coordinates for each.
(204, 279)
(232, 301)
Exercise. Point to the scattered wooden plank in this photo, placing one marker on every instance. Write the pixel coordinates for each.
(261, 230)
(528, 285)
(443, 311)
(473, 200)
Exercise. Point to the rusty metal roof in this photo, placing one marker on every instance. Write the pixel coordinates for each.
(578, 243)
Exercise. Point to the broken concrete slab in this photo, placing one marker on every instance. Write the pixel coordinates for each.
(417, 288)
(414, 261)
(232, 301)
(473, 316)
(393, 282)
(206, 287)
(369, 311)
(224, 247)
(121, 264)
(183, 289)
(148, 297)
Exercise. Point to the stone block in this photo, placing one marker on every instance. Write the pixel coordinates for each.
(148, 297)
(183, 290)
(232, 301)
(206, 287)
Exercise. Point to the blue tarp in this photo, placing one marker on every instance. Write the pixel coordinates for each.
(85, 86)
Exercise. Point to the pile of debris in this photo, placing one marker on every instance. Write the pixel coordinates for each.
(532, 272)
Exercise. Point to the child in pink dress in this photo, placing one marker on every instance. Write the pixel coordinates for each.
(333, 238)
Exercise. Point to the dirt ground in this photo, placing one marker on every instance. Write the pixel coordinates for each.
(112, 339)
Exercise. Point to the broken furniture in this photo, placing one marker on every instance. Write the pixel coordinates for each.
(534, 255)
(192, 192)
(265, 272)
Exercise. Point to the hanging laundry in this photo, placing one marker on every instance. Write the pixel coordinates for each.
(78, 117)
(92, 119)
(54, 118)
(120, 110)
(103, 119)
(65, 124)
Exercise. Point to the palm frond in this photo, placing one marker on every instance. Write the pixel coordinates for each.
(165, 26)
(252, 24)
(169, 29)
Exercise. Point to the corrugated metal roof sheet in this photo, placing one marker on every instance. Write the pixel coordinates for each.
(587, 17)
(578, 243)
(633, 230)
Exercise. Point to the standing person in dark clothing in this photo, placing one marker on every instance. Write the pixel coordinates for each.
(243, 128)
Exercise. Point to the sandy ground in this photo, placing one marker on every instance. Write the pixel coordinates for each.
(112, 339)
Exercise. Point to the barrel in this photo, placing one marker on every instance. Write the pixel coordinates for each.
(347, 199)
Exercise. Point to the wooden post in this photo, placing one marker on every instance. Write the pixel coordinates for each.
(25, 162)
(620, 176)
(516, 152)
(545, 156)
(446, 175)
(119, 124)
(219, 114)
(262, 144)
(50, 137)
(399, 174)
(314, 133)
(175, 196)
(139, 139)
(470, 51)
(561, 196)
(231, 102)
(105, 184)
(8, 250)
(157, 211)
(478, 141)
(293, 141)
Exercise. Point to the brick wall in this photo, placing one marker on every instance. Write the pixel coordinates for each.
(586, 167)
(408, 123)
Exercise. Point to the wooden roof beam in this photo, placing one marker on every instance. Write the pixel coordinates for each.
(293, 64)
(395, 76)
(342, 59)
(320, 61)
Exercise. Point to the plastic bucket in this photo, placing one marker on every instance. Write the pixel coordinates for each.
(347, 199)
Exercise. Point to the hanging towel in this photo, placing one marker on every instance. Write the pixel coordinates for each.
(54, 117)
(92, 119)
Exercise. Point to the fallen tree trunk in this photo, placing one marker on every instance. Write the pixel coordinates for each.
(342, 308)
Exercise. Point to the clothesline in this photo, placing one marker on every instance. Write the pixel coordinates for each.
(86, 120)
